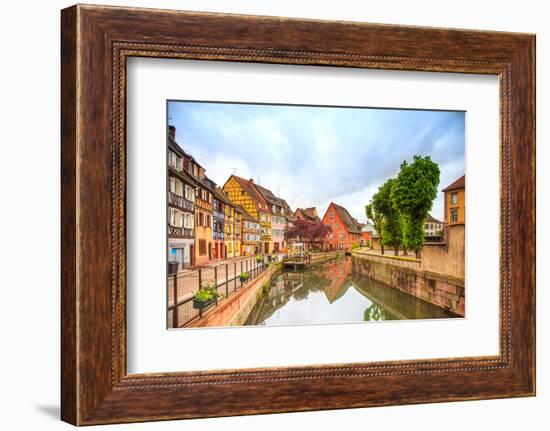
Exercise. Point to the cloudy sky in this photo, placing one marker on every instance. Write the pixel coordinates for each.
(311, 156)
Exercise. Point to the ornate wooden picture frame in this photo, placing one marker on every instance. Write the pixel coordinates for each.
(96, 41)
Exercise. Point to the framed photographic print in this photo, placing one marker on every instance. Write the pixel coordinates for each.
(322, 214)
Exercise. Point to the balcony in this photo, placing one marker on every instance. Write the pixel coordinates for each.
(180, 232)
(180, 202)
(265, 237)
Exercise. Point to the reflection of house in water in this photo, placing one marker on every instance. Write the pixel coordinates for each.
(332, 289)
(337, 272)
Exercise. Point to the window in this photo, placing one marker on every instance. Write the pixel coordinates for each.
(331, 216)
(454, 198)
(189, 193)
(202, 247)
(341, 237)
(176, 186)
(174, 160)
(207, 220)
(454, 215)
(426, 226)
(188, 221)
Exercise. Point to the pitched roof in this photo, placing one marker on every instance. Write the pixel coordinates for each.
(270, 197)
(220, 195)
(349, 222)
(432, 219)
(245, 213)
(177, 148)
(307, 213)
(368, 227)
(249, 187)
(457, 185)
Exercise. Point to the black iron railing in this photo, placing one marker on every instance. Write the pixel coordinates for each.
(227, 281)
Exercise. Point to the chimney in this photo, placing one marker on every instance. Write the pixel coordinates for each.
(251, 180)
(172, 132)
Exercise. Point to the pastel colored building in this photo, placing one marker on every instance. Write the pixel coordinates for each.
(181, 205)
(455, 202)
(244, 192)
(346, 231)
(278, 219)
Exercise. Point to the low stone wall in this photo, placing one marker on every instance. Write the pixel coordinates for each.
(322, 256)
(407, 275)
(235, 310)
(447, 257)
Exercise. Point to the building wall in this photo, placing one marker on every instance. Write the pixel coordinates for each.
(277, 232)
(235, 194)
(460, 206)
(448, 257)
(340, 238)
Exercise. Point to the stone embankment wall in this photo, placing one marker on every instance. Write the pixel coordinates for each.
(408, 275)
(234, 310)
(322, 256)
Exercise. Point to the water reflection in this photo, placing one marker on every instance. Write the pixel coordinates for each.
(332, 293)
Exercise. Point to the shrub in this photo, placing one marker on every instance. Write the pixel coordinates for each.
(204, 295)
(244, 276)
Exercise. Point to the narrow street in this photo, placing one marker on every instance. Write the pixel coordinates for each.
(218, 270)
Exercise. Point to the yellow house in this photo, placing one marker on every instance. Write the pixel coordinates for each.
(229, 226)
(244, 192)
(455, 202)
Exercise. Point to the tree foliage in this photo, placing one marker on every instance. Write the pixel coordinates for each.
(313, 232)
(412, 195)
(391, 231)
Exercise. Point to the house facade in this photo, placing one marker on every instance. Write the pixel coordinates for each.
(244, 192)
(346, 231)
(237, 231)
(250, 235)
(455, 202)
(181, 205)
(278, 219)
(433, 227)
(203, 224)
(229, 227)
(218, 221)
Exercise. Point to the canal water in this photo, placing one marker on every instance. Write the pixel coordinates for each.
(331, 292)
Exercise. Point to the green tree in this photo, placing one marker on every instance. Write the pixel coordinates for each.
(376, 218)
(412, 195)
(391, 233)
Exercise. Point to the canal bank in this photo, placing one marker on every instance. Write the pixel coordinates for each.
(407, 275)
(234, 310)
(331, 292)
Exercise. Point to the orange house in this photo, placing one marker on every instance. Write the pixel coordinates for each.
(346, 231)
(455, 202)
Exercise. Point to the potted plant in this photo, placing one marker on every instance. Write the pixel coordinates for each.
(205, 296)
(259, 259)
(244, 276)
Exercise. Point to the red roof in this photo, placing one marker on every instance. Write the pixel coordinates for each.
(349, 222)
(307, 213)
(457, 185)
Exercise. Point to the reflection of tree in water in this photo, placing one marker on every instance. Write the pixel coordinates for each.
(376, 313)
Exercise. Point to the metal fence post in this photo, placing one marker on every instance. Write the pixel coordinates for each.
(235, 276)
(226, 281)
(216, 275)
(175, 311)
(200, 278)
